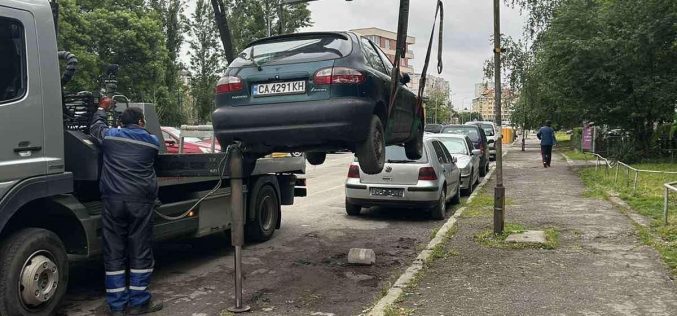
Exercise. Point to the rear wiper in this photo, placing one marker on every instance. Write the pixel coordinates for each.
(400, 161)
(251, 58)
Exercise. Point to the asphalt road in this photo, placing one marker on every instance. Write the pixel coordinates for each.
(301, 271)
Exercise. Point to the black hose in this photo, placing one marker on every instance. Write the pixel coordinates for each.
(71, 66)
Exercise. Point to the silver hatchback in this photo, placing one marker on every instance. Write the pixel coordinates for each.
(430, 182)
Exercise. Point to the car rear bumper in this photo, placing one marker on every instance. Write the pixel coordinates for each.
(296, 126)
(414, 195)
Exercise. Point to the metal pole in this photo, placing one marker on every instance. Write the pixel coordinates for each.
(499, 190)
(665, 204)
(634, 185)
(237, 228)
(616, 176)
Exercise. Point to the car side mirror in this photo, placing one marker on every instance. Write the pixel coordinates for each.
(476, 152)
(454, 160)
(405, 79)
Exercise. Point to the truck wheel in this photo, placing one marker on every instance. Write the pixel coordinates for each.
(353, 209)
(33, 273)
(316, 158)
(414, 148)
(266, 210)
(371, 153)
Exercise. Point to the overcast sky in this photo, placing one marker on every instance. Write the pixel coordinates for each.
(468, 25)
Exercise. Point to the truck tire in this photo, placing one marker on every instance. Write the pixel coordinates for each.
(33, 273)
(266, 208)
(316, 158)
(414, 148)
(371, 153)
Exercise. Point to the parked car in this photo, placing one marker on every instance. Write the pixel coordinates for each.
(490, 131)
(428, 182)
(314, 93)
(433, 128)
(479, 141)
(191, 145)
(467, 159)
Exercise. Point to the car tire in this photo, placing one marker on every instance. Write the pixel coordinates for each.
(471, 186)
(414, 148)
(266, 208)
(316, 158)
(353, 209)
(439, 211)
(34, 251)
(457, 197)
(371, 153)
(483, 169)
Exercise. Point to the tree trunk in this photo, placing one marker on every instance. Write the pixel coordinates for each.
(224, 30)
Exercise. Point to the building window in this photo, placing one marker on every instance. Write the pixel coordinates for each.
(387, 46)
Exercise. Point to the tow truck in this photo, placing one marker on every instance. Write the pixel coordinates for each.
(50, 206)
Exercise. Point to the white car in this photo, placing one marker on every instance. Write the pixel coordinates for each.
(467, 159)
(429, 183)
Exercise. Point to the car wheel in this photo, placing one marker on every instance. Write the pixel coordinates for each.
(353, 209)
(266, 211)
(414, 148)
(316, 158)
(371, 153)
(33, 273)
(440, 210)
(471, 186)
(483, 169)
(457, 197)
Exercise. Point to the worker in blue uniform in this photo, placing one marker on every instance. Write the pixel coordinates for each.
(128, 187)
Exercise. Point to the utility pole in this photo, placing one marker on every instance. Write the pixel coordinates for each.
(499, 190)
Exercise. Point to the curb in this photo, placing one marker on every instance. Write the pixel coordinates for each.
(423, 257)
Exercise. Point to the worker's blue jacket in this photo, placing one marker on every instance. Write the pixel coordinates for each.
(129, 153)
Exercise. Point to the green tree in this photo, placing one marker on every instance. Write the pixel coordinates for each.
(249, 19)
(438, 107)
(206, 61)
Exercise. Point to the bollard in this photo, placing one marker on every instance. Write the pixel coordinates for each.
(634, 184)
(665, 204)
(235, 166)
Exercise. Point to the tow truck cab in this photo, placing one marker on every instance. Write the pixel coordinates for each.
(50, 207)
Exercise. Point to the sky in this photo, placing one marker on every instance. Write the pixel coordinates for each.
(468, 25)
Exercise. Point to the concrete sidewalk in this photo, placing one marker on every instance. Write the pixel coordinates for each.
(600, 267)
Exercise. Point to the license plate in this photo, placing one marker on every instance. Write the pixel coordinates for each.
(278, 88)
(386, 192)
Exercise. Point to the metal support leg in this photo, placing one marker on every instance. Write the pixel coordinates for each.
(235, 167)
(666, 200)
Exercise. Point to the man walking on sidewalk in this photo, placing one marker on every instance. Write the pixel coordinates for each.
(128, 189)
(547, 136)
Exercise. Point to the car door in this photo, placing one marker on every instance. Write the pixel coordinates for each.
(454, 172)
(405, 102)
(445, 162)
(21, 101)
(475, 159)
(380, 72)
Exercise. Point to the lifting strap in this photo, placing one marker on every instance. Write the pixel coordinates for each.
(421, 87)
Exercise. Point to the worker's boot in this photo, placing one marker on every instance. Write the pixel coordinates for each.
(149, 307)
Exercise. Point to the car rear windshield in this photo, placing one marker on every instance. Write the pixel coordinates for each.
(488, 129)
(463, 130)
(302, 48)
(455, 145)
(397, 154)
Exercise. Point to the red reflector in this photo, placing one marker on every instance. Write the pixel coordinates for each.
(338, 75)
(229, 84)
(427, 173)
(354, 171)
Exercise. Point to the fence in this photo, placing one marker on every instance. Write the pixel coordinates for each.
(646, 182)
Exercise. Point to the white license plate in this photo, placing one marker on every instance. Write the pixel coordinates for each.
(278, 88)
(386, 192)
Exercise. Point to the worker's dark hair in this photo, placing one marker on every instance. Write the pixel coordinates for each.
(548, 123)
(131, 116)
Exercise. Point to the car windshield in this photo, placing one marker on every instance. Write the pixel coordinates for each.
(455, 145)
(470, 131)
(302, 48)
(177, 132)
(397, 154)
(488, 129)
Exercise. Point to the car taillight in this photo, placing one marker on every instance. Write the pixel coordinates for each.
(427, 173)
(229, 84)
(354, 171)
(338, 75)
